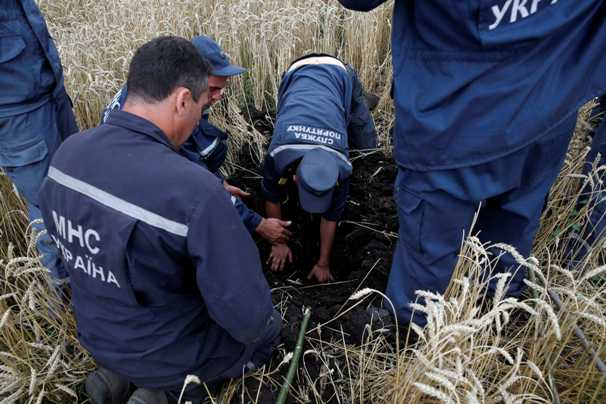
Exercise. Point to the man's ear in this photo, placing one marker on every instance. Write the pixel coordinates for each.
(183, 99)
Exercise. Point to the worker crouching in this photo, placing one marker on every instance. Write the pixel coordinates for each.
(322, 113)
(166, 280)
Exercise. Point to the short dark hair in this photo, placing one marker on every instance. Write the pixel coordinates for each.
(164, 63)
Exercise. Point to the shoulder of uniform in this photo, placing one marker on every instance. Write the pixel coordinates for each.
(204, 191)
(187, 172)
(76, 139)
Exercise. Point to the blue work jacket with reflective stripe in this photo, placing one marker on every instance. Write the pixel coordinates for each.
(30, 69)
(320, 106)
(476, 80)
(156, 253)
(206, 146)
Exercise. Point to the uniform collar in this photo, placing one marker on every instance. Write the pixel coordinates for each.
(137, 124)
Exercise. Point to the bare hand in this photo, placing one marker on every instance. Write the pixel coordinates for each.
(235, 191)
(279, 254)
(274, 230)
(321, 273)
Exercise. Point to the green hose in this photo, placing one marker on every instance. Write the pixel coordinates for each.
(292, 369)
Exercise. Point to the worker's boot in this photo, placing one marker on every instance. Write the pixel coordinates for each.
(105, 387)
(145, 396)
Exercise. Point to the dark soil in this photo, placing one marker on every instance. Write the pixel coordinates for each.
(361, 255)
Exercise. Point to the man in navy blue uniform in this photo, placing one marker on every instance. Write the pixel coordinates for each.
(35, 111)
(166, 281)
(207, 145)
(322, 113)
(486, 95)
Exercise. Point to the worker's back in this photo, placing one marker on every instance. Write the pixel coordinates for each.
(321, 105)
(314, 104)
(475, 80)
(161, 267)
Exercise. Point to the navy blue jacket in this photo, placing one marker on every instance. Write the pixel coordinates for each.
(319, 106)
(156, 254)
(476, 80)
(206, 146)
(30, 69)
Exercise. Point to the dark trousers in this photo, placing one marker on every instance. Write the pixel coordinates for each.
(436, 210)
(244, 359)
(28, 142)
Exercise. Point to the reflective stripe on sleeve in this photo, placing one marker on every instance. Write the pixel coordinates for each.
(210, 148)
(309, 147)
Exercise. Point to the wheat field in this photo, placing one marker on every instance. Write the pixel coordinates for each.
(474, 349)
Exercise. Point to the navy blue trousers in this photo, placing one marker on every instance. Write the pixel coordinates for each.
(28, 142)
(436, 210)
(232, 361)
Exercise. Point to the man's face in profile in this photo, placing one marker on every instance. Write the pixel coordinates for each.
(216, 85)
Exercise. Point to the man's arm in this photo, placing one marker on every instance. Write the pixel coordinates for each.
(328, 228)
(250, 218)
(274, 195)
(273, 192)
(273, 209)
(228, 269)
(280, 251)
(361, 5)
(321, 271)
(273, 230)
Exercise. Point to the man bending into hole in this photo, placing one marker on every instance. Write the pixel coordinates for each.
(322, 113)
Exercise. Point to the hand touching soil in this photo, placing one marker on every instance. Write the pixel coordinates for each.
(321, 273)
(278, 256)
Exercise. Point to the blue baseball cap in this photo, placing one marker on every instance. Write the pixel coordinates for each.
(317, 178)
(221, 66)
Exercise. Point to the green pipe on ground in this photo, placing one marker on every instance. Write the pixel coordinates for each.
(292, 369)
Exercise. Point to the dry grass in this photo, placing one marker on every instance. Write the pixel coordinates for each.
(97, 41)
(40, 357)
(474, 349)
